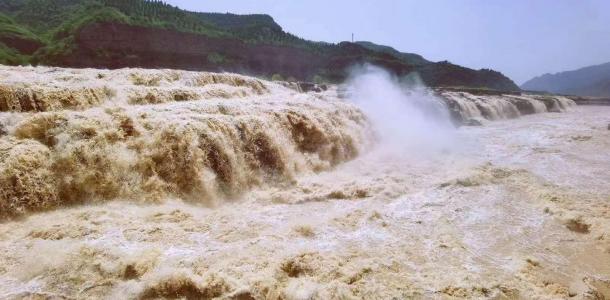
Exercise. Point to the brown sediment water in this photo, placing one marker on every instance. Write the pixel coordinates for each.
(154, 134)
(229, 187)
(498, 107)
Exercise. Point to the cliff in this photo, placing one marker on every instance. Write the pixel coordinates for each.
(115, 34)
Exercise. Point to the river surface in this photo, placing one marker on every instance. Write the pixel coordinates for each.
(522, 210)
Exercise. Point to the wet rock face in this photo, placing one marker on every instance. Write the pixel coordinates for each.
(524, 106)
(550, 104)
(305, 87)
(473, 122)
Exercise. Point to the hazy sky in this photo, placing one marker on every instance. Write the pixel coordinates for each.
(522, 38)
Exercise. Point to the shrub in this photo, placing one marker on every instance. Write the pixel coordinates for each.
(277, 77)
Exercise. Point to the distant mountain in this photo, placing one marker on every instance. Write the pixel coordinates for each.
(152, 34)
(589, 81)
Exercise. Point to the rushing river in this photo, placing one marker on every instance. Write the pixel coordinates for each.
(151, 184)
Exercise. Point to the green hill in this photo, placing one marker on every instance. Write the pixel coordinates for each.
(152, 34)
(410, 58)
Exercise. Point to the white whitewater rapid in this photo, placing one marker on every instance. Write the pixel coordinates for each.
(139, 184)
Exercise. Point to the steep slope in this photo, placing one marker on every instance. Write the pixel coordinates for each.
(152, 34)
(588, 81)
(410, 58)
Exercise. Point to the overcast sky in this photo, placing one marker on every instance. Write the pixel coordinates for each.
(521, 38)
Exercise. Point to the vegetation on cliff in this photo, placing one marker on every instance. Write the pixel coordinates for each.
(142, 33)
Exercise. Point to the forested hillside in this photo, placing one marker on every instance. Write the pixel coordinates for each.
(153, 34)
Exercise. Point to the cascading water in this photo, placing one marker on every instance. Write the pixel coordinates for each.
(147, 135)
(85, 135)
(370, 195)
(465, 106)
